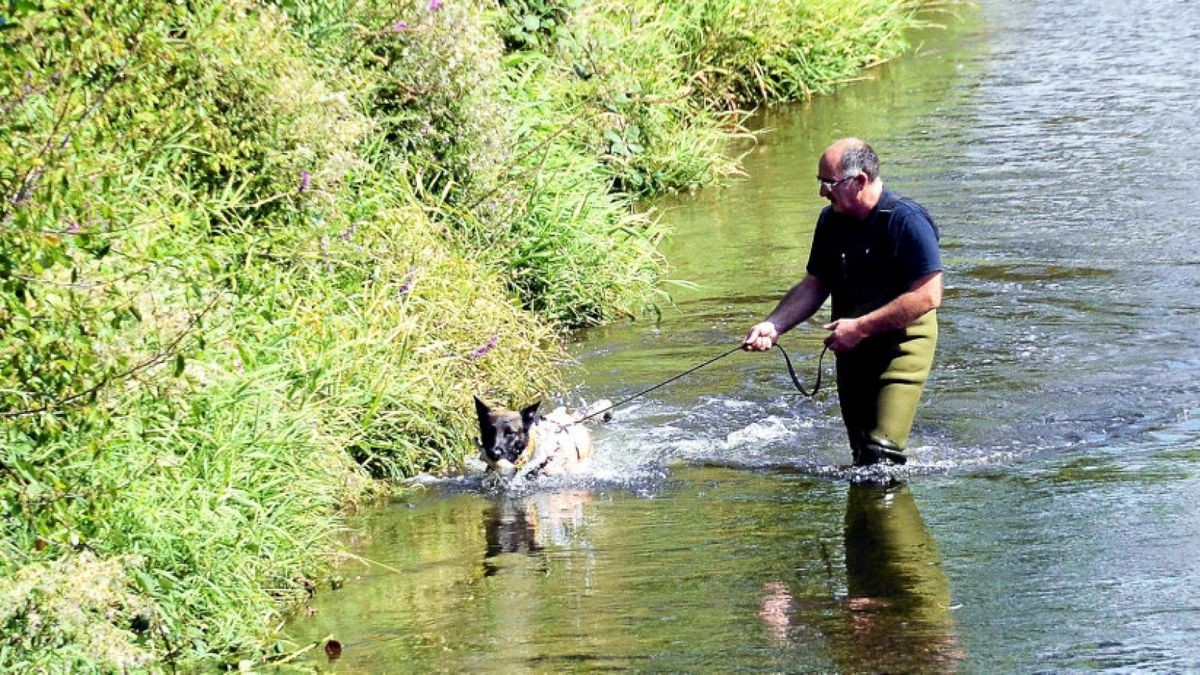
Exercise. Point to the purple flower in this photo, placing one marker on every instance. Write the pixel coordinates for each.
(435, 5)
(407, 284)
(485, 348)
(400, 26)
(305, 180)
(75, 227)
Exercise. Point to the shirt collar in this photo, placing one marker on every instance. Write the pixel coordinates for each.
(887, 202)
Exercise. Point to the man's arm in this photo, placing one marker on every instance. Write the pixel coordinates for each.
(801, 302)
(924, 295)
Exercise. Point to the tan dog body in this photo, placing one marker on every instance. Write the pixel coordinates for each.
(558, 443)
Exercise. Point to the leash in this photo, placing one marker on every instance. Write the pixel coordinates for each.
(787, 359)
(792, 371)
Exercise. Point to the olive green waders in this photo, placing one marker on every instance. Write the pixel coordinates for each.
(879, 385)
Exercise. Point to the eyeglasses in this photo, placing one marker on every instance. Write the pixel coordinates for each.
(831, 183)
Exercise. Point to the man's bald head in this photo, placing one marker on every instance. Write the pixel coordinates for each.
(849, 177)
(853, 156)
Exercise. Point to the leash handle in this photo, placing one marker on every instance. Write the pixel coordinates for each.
(792, 371)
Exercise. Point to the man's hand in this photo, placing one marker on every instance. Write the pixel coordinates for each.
(761, 337)
(845, 334)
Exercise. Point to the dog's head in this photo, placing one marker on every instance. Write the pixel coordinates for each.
(504, 435)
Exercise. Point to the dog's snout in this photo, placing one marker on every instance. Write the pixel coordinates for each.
(512, 452)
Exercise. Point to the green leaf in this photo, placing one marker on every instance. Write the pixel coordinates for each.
(19, 7)
(179, 364)
(145, 581)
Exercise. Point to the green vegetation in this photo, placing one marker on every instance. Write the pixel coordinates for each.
(257, 255)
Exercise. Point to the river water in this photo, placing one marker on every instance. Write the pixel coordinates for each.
(1048, 520)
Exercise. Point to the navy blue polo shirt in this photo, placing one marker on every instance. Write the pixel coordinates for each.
(865, 264)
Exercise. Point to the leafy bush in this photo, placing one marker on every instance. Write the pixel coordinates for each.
(254, 254)
(534, 24)
(433, 93)
(217, 294)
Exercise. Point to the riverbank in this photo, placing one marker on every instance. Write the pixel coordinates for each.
(257, 258)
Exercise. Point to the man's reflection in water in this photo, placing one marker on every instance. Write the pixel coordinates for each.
(896, 613)
(898, 597)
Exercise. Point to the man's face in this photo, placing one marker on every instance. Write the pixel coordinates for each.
(844, 193)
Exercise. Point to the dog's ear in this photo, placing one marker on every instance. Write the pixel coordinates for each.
(487, 430)
(529, 414)
(482, 411)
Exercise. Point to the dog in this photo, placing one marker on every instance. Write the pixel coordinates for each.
(524, 443)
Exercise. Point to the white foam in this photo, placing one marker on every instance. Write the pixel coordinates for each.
(769, 429)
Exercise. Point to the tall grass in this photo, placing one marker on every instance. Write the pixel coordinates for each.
(256, 256)
(741, 51)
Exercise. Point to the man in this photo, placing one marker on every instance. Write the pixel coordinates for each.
(876, 253)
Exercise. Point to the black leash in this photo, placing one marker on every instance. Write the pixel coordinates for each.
(792, 371)
(689, 371)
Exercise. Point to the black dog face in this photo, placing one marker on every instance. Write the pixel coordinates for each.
(503, 434)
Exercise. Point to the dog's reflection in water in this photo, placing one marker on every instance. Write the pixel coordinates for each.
(532, 522)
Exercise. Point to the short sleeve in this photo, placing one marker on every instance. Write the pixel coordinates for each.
(916, 236)
(818, 255)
